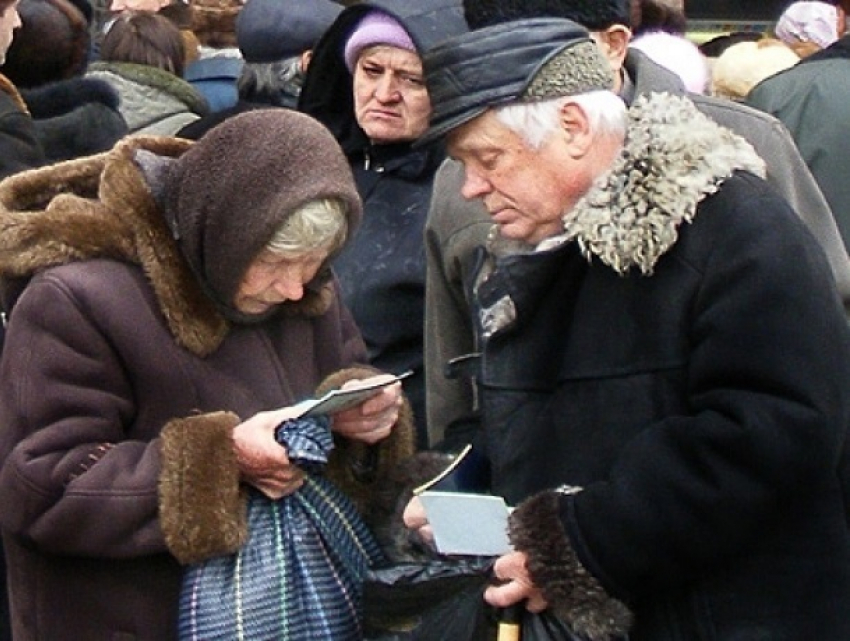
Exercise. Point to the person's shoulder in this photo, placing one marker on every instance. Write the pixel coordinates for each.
(735, 115)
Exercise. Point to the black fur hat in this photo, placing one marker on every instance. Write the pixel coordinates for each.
(591, 14)
(52, 43)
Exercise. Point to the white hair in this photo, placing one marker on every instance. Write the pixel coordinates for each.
(317, 224)
(536, 121)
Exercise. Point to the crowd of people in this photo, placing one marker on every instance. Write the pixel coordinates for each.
(614, 258)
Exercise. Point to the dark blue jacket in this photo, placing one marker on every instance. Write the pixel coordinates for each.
(382, 272)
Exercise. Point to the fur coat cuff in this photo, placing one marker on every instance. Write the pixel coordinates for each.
(357, 468)
(203, 511)
(574, 595)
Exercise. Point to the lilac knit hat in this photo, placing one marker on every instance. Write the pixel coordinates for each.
(375, 28)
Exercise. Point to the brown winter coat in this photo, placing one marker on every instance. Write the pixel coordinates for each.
(111, 340)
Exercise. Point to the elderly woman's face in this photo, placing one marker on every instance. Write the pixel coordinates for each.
(391, 103)
(272, 279)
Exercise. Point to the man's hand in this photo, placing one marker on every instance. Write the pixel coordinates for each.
(415, 519)
(516, 584)
(261, 459)
(373, 420)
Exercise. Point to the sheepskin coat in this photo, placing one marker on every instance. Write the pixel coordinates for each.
(455, 227)
(121, 383)
(664, 394)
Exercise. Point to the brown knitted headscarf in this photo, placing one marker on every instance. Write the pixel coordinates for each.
(227, 195)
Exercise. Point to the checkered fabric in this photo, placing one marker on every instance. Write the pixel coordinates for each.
(299, 576)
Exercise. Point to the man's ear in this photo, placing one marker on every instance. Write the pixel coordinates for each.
(575, 126)
(614, 43)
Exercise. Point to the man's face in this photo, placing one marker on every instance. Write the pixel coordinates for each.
(525, 191)
(9, 21)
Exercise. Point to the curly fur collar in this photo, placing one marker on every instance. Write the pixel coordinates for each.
(673, 158)
(102, 207)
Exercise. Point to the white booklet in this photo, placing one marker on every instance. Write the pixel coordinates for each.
(471, 524)
(338, 400)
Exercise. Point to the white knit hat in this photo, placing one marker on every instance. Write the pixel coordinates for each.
(808, 22)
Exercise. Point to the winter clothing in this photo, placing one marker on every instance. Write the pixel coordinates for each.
(215, 78)
(75, 117)
(214, 21)
(808, 22)
(90, 521)
(375, 28)
(52, 44)
(153, 101)
(455, 227)
(663, 395)
(592, 14)
(20, 147)
(745, 64)
(678, 54)
(460, 91)
(382, 272)
(271, 30)
(811, 98)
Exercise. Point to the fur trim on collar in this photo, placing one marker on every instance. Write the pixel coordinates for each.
(155, 77)
(673, 158)
(102, 207)
(7, 87)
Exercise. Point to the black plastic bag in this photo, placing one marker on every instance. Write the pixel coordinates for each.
(444, 599)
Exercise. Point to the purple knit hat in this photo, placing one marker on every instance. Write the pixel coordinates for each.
(376, 28)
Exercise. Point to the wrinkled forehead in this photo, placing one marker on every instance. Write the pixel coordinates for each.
(485, 134)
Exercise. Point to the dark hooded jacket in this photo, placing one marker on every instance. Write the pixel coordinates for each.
(126, 368)
(75, 117)
(382, 272)
(663, 394)
(19, 145)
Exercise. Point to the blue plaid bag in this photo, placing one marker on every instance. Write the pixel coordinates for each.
(300, 574)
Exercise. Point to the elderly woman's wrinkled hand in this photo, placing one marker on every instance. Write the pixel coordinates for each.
(373, 420)
(262, 461)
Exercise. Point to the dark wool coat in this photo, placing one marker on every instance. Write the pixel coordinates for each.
(382, 272)
(667, 381)
(111, 341)
(19, 145)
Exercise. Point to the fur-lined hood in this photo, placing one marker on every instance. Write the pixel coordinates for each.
(673, 157)
(102, 207)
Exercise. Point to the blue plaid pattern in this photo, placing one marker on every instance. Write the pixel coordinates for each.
(299, 576)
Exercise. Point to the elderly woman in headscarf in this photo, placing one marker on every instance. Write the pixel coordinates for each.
(365, 83)
(169, 304)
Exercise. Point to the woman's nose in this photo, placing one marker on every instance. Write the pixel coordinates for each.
(290, 287)
(385, 89)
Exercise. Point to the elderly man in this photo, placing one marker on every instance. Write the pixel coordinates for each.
(455, 228)
(664, 354)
